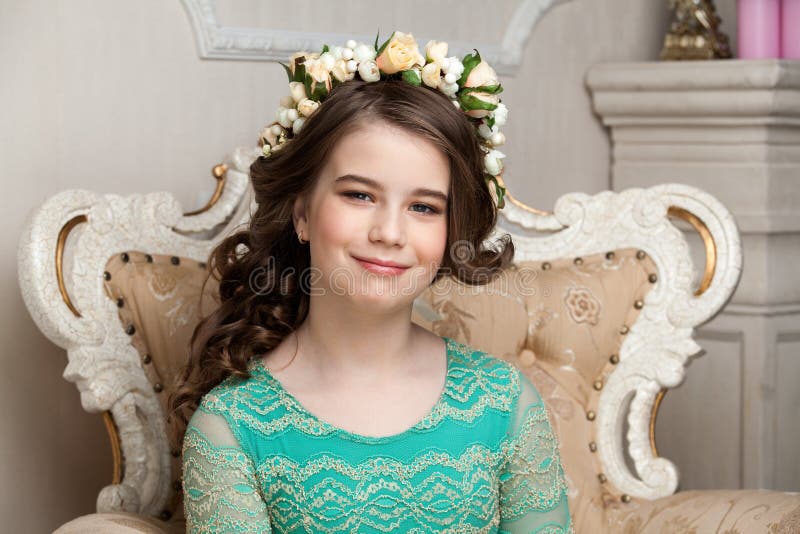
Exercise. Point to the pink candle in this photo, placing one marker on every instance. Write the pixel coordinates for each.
(759, 28)
(790, 29)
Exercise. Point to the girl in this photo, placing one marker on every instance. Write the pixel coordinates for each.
(316, 404)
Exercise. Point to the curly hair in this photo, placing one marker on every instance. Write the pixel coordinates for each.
(250, 321)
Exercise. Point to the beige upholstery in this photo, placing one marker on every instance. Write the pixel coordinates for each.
(561, 322)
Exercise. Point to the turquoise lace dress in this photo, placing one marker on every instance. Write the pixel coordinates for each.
(483, 460)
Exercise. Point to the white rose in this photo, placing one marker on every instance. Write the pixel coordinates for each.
(307, 107)
(341, 70)
(298, 90)
(337, 52)
(485, 131)
(297, 125)
(328, 60)
(500, 114)
(492, 162)
(498, 139)
(369, 72)
(431, 75)
(364, 53)
(435, 51)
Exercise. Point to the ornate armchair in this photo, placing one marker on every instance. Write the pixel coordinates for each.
(598, 311)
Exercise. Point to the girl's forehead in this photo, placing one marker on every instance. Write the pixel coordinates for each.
(387, 156)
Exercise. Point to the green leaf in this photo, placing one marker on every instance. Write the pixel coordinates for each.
(376, 38)
(300, 73)
(469, 103)
(470, 61)
(380, 50)
(411, 76)
(488, 89)
(490, 122)
(288, 71)
(324, 49)
(307, 82)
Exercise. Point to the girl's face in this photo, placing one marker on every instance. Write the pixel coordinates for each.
(382, 195)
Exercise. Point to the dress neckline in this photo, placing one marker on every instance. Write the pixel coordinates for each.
(259, 365)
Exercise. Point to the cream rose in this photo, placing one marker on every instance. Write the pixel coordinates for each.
(302, 54)
(435, 51)
(401, 53)
(482, 75)
(319, 73)
(432, 75)
(341, 71)
(298, 90)
(307, 107)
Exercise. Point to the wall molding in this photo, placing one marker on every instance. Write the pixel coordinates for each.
(215, 41)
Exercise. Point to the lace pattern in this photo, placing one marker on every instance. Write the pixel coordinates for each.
(464, 478)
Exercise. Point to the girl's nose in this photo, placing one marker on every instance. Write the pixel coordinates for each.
(388, 227)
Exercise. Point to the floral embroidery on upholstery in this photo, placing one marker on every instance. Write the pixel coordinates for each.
(582, 305)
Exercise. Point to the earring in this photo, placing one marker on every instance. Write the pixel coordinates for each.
(300, 237)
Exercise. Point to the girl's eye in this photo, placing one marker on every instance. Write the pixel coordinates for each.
(353, 194)
(428, 210)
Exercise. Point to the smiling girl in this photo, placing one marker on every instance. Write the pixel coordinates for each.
(311, 402)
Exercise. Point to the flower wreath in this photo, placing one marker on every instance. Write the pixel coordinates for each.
(470, 83)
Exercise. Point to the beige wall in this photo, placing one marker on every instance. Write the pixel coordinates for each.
(111, 96)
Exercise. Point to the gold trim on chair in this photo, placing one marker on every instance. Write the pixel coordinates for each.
(519, 203)
(62, 240)
(218, 172)
(111, 428)
(708, 242)
(116, 447)
(708, 276)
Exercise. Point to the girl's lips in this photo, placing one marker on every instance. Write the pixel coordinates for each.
(380, 269)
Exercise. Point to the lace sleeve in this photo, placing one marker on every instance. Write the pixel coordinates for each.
(533, 491)
(220, 490)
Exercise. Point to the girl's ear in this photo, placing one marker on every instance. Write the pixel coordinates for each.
(299, 214)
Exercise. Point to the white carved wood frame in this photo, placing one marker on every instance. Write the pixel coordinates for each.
(106, 369)
(215, 41)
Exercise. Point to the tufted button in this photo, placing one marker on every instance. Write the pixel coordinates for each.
(202, 265)
(609, 255)
(147, 358)
(624, 330)
(598, 385)
(593, 446)
(626, 498)
(638, 304)
(578, 261)
(158, 388)
(652, 278)
(149, 258)
(590, 415)
(175, 453)
(177, 485)
(546, 266)
(175, 260)
(527, 357)
(602, 478)
(130, 329)
(640, 254)
(120, 302)
(165, 515)
(107, 275)
(125, 257)
(614, 359)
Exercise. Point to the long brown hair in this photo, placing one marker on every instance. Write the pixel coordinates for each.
(252, 321)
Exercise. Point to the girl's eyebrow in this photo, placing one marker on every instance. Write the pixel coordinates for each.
(372, 183)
